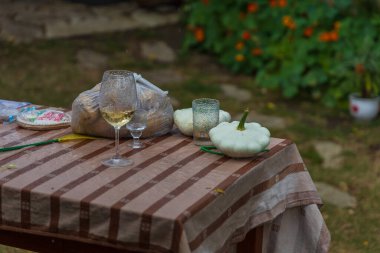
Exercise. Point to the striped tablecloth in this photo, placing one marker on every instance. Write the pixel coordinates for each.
(175, 198)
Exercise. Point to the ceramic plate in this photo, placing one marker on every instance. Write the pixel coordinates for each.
(45, 119)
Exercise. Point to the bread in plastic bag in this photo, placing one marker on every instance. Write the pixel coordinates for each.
(86, 118)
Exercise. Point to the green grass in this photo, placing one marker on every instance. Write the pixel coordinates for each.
(46, 72)
(6, 249)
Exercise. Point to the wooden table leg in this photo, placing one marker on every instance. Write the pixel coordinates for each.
(252, 243)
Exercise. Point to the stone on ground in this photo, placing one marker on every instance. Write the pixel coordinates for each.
(234, 92)
(330, 152)
(164, 76)
(157, 51)
(26, 20)
(334, 196)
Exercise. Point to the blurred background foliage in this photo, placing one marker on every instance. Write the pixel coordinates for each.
(313, 47)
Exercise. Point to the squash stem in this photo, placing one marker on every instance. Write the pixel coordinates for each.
(241, 127)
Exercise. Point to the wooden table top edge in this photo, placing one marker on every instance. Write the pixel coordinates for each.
(56, 238)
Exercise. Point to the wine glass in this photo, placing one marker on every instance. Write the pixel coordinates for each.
(117, 103)
(136, 127)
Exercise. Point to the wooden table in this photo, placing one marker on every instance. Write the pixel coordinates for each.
(175, 198)
(47, 243)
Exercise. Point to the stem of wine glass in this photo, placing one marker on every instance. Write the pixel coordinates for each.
(136, 141)
(117, 155)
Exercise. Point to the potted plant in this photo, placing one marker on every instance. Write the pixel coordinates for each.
(364, 107)
(364, 103)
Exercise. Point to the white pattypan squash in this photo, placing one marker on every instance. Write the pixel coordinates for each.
(183, 118)
(240, 139)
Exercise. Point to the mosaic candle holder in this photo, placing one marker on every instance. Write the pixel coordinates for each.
(205, 117)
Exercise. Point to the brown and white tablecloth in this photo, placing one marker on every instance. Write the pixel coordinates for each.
(175, 198)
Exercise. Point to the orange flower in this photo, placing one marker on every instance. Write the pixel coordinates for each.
(308, 31)
(324, 37)
(288, 22)
(252, 7)
(334, 36)
(239, 45)
(239, 57)
(205, 1)
(329, 36)
(199, 34)
(282, 3)
(337, 25)
(292, 25)
(246, 35)
(272, 3)
(359, 68)
(257, 51)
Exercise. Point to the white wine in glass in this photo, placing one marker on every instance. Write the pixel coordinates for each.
(117, 119)
(117, 103)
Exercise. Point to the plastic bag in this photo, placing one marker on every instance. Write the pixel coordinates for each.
(86, 118)
(10, 109)
(7, 115)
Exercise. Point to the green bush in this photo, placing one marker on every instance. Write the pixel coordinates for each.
(307, 47)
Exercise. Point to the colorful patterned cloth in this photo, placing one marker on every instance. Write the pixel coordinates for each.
(175, 198)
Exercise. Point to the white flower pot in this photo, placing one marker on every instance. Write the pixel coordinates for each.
(364, 109)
